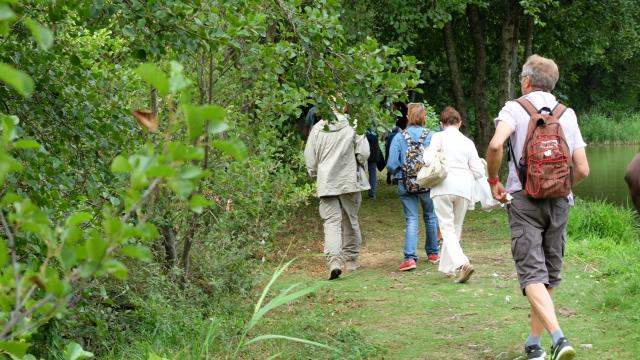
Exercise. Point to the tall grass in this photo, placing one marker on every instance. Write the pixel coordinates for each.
(618, 127)
(609, 236)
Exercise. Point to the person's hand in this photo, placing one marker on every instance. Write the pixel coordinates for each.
(499, 192)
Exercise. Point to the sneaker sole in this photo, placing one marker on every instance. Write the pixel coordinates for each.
(541, 357)
(335, 273)
(434, 261)
(567, 353)
(408, 268)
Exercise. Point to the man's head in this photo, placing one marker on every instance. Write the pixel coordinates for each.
(538, 73)
(416, 114)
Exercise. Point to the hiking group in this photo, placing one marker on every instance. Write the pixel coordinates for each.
(442, 173)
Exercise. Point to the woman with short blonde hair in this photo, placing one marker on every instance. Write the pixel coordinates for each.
(414, 134)
(416, 114)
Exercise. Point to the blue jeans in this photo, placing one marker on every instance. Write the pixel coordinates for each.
(410, 205)
(373, 173)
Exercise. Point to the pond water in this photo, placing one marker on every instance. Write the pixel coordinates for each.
(606, 179)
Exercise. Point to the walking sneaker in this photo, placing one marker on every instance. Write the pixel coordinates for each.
(408, 265)
(562, 350)
(465, 273)
(335, 273)
(535, 352)
(352, 265)
(433, 258)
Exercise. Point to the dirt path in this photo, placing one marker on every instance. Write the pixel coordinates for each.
(424, 315)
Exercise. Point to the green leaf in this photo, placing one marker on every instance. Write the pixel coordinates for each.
(198, 116)
(233, 147)
(116, 268)
(177, 80)
(18, 80)
(289, 338)
(154, 76)
(43, 36)
(6, 13)
(26, 144)
(14, 348)
(161, 171)
(197, 203)
(195, 121)
(79, 218)
(10, 198)
(191, 172)
(96, 247)
(137, 252)
(73, 351)
(120, 165)
(182, 188)
(154, 356)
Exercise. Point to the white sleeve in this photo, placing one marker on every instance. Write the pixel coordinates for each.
(508, 113)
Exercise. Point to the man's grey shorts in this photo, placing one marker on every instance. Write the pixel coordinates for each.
(538, 238)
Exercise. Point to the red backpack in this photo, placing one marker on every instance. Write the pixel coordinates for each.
(545, 168)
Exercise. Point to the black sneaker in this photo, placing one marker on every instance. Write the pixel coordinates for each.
(562, 350)
(335, 273)
(535, 352)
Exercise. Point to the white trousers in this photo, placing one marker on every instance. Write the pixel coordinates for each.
(450, 210)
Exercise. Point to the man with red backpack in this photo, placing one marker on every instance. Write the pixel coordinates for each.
(547, 157)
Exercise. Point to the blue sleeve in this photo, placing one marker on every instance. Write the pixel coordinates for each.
(393, 162)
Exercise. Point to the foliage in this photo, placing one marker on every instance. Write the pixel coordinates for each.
(198, 189)
(614, 127)
(609, 235)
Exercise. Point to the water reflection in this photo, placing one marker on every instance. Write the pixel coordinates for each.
(606, 179)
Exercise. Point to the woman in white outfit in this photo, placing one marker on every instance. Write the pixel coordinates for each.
(453, 195)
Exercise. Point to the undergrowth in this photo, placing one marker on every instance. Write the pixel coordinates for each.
(608, 235)
(618, 127)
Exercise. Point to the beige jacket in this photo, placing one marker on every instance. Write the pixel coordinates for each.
(336, 156)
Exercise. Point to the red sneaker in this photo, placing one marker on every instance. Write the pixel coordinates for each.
(433, 258)
(408, 265)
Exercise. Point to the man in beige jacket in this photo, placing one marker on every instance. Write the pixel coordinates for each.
(335, 157)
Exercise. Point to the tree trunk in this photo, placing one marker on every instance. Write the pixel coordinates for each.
(153, 100)
(528, 45)
(506, 51)
(513, 71)
(483, 125)
(454, 69)
(169, 241)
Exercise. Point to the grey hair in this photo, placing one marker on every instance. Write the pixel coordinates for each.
(542, 71)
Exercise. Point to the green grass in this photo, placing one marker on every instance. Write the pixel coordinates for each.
(380, 313)
(619, 127)
(424, 315)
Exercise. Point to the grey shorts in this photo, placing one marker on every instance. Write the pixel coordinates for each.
(538, 238)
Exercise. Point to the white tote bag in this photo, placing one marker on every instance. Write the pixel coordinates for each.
(435, 169)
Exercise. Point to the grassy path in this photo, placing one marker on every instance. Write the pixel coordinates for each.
(424, 315)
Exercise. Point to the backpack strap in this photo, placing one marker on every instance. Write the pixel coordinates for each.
(527, 105)
(407, 137)
(558, 110)
(423, 136)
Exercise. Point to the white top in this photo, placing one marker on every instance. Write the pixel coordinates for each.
(517, 118)
(463, 163)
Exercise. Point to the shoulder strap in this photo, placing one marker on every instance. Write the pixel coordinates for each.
(527, 105)
(423, 136)
(407, 137)
(558, 110)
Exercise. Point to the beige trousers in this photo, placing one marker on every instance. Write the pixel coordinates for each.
(341, 229)
(450, 210)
